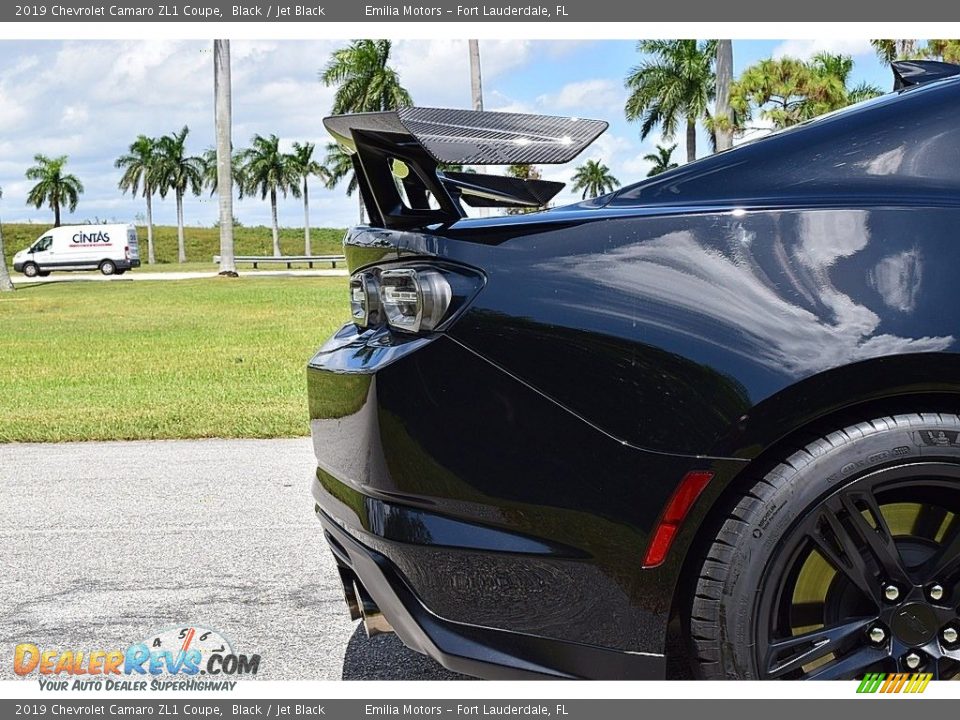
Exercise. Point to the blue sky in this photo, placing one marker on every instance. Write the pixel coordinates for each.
(89, 99)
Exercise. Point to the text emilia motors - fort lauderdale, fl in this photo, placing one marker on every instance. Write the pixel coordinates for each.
(268, 11)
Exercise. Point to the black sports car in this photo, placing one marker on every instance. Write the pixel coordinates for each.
(706, 422)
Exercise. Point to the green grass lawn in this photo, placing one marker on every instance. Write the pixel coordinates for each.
(188, 359)
(201, 243)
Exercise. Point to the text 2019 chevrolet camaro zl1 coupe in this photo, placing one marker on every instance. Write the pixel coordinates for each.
(708, 422)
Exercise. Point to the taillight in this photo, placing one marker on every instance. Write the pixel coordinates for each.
(673, 515)
(414, 300)
(126, 252)
(410, 299)
(364, 299)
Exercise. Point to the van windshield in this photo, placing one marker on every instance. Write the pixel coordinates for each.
(42, 244)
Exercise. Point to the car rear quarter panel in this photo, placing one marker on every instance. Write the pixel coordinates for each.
(670, 331)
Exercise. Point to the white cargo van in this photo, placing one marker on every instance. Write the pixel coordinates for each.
(111, 249)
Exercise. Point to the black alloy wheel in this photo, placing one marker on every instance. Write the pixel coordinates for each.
(841, 561)
(868, 581)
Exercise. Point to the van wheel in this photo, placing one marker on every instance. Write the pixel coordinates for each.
(843, 560)
(107, 267)
(31, 269)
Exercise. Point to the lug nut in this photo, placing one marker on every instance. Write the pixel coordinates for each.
(891, 593)
(912, 660)
(936, 592)
(949, 635)
(877, 635)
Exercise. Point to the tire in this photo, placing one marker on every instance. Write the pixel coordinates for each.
(828, 566)
(31, 270)
(108, 267)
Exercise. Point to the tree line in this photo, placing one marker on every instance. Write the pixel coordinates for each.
(678, 86)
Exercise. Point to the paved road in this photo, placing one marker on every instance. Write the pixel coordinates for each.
(102, 543)
(173, 275)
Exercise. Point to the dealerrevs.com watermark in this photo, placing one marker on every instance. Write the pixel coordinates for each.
(180, 658)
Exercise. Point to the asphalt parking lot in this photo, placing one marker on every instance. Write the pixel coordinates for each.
(101, 544)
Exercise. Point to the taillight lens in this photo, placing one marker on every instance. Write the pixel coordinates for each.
(364, 299)
(411, 298)
(414, 300)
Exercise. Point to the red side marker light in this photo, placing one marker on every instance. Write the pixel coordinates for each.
(673, 514)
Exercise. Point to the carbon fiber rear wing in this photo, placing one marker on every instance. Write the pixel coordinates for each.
(398, 157)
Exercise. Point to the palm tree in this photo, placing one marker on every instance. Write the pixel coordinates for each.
(6, 284)
(304, 165)
(662, 160)
(139, 167)
(179, 172)
(339, 166)
(222, 156)
(890, 50)
(53, 187)
(208, 161)
(268, 171)
(676, 85)
(364, 80)
(723, 116)
(476, 84)
(594, 178)
(835, 72)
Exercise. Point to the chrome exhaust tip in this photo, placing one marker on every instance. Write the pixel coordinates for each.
(374, 621)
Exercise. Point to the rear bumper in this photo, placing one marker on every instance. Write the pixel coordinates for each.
(469, 649)
(497, 532)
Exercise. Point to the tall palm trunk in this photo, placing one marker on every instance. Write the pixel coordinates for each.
(276, 228)
(476, 86)
(6, 284)
(222, 91)
(151, 257)
(56, 214)
(181, 246)
(360, 199)
(691, 139)
(306, 218)
(724, 115)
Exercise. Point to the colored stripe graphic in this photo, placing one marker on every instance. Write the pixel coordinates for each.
(896, 683)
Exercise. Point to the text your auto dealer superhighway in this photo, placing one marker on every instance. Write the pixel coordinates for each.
(89, 11)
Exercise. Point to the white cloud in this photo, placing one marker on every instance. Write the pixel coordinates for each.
(805, 49)
(440, 69)
(599, 94)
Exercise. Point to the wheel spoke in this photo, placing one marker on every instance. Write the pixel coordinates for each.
(878, 539)
(791, 653)
(849, 666)
(946, 561)
(928, 521)
(839, 549)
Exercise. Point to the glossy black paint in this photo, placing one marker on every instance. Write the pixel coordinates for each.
(512, 467)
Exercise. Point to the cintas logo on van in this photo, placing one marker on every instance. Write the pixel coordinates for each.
(100, 238)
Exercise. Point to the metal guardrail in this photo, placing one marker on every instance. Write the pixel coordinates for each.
(287, 260)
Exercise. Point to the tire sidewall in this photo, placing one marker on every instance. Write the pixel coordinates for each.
(108, 264)
(800, 485)
(31, 270)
